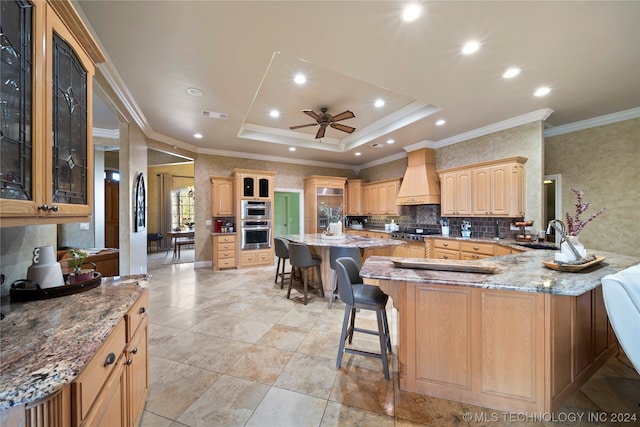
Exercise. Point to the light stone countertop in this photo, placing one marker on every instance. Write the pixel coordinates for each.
(349, 240)
(523, 272)
(45, 344)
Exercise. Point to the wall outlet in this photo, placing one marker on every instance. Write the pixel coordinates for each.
(207, 222)
(85, 225)
(513, 227)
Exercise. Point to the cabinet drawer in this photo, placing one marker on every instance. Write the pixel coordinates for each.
(477, 248)
(87, 386)
(231, 238)
(470, 256)
(446, 244)
(136, 314)
(445, 254)
(226, 247)
(226, 254)
(226, 263)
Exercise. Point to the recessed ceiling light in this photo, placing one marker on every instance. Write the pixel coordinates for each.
(194, 91)
(300, 79)
(197, 135)
(511, 72)
(411, 12)
(357, 153)
(379, 103)
(390, 141)
(441, 122)
(292, 148)
(470, 47)
(274, 113)
(542, 91)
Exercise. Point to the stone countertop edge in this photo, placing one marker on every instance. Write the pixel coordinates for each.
(523, 272)
(45, 344)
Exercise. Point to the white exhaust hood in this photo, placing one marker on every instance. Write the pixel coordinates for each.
(420, 185)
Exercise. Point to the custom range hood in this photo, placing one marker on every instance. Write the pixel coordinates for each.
(420, 185)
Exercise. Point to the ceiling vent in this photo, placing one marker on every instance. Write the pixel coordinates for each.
(214, 115)
(377, 145)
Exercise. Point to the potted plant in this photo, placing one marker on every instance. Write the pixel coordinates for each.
(334, 218)
(189, 224)
(79, 274)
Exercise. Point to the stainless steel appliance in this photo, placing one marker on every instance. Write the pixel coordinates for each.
(413, 234)
(255, 234)
(256, 209)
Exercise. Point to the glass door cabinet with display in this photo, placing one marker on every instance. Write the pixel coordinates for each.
(46, 76)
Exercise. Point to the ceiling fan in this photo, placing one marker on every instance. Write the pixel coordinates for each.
(325, 119)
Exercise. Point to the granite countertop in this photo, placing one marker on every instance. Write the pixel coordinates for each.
(523, 272)
(45, 344)
(349, 240)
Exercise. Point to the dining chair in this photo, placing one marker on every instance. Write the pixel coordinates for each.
(356, 295)
(300, 258)
(336, 252)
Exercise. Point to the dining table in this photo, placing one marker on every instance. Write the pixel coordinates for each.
(178, 236)
(320, 245)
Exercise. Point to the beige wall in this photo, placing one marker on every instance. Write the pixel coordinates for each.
(604, 162)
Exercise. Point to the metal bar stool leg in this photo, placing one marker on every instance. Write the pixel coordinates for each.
(383, 343)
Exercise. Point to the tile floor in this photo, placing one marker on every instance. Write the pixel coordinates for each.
(228, 349)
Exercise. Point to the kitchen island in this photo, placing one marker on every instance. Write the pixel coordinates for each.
(521, 340)
(78, 358)
(320, 245)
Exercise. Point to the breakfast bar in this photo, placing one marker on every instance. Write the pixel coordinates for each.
(320, 245)
(520, 339)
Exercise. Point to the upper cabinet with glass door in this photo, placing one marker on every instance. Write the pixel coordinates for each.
(46, 76)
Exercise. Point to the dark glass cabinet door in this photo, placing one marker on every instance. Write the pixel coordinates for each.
(16, 149)
(70, 161)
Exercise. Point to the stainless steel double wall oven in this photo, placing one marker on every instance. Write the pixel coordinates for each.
(256, 224)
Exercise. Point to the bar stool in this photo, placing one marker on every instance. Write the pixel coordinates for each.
(300, 258)
(336, 252)
(282, 252)
(356, 295)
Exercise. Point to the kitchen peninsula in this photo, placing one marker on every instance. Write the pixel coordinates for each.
(521, 340)
(77, 359)
(321, 245)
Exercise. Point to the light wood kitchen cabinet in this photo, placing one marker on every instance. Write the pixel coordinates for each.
(312, 199)
(455, 194)
(222, 200)
(380, 197)
(257, 257)
(47, 169)
(112, 389)
(474, 250)
(354, 197)
(446, 249)
(224, 251)
(254, 185)
(493, 189)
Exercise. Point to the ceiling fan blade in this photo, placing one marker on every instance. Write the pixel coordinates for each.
(303, 126)
(311, 113)
(343, 116)
(320, 133)
(343, 128)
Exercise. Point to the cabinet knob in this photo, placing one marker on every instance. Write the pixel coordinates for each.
(445, 244)
(475, 248)
(128, 362)
(445, 256)
(134, 351)
(109, 360)
(142, 310)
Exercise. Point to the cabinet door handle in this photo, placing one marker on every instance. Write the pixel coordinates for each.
(445, 244)
(475, 248)
(135, 350)
(445, 256)
(110, 359)
(142, 310)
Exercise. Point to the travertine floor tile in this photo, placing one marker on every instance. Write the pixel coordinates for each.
(283, 337)
(216, 353)
(260, 364)
(308, 375)
(288, 408)
(174, 386)
(228, 402)
(363, 389)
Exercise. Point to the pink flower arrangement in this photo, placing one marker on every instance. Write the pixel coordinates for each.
(575, 224)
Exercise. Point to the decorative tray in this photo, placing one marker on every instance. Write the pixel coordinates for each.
(28, 290)
(571, 267)
(445, 265)
(325, 236)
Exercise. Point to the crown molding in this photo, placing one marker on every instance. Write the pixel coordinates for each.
(607, 119)
(534, 116)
